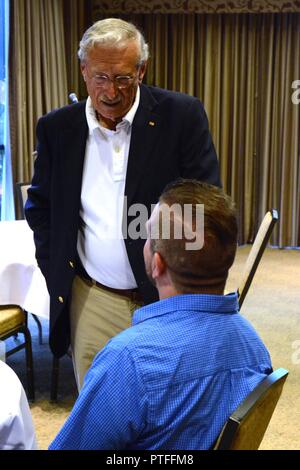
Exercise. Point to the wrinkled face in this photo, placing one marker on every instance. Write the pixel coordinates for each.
(113, 98)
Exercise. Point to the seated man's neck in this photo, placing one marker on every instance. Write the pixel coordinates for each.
(169, 290)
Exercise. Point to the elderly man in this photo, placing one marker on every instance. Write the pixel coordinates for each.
(126, 141)
(173, 378)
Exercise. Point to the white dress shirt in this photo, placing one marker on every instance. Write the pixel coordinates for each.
(101, 246)
(16, 426)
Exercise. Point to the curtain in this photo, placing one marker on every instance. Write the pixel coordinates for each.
(77, 18)
(278, 124)
(38, 78)
(7, 210)
(116, 7)
(242, 67)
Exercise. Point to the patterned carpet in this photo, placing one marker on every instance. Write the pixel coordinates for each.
(272, 306)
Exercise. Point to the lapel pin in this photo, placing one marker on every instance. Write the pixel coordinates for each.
(151, 123)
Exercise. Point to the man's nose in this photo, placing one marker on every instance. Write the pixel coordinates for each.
(111, 90)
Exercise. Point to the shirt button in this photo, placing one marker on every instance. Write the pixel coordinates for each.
(60, 298)
(71, 264)
(117, 148)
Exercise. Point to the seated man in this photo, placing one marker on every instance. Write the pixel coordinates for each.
(173, 378)
(16, 426)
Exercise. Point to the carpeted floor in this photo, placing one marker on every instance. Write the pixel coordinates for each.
(272, 306)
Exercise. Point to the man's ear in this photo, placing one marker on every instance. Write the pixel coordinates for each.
(158, 266)
(82, 68)
(142, 71)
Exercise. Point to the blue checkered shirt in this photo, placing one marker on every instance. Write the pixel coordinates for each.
(171, 380)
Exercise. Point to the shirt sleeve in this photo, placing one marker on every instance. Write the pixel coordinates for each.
(110, 410)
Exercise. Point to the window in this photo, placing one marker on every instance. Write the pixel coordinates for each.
(2, 92)
(6, 193)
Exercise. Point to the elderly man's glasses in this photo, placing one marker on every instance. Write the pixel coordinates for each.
(120, 81)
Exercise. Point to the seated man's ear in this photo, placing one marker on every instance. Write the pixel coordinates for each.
(158, 265)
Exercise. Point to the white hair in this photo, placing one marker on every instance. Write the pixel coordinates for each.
(112, 32)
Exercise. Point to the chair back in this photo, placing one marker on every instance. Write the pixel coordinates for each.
(21, 189)
(13, 320)
(245, 428)
(256, 252)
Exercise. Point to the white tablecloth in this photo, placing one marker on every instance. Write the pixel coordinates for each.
(21, 281)
(16, 426)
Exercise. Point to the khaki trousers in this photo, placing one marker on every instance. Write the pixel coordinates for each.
(96, 315)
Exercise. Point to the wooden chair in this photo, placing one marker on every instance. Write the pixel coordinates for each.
(256, 252)
(13, 321)
(245, 428)
(21, 189)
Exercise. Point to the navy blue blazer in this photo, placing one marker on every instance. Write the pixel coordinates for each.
(170, 139)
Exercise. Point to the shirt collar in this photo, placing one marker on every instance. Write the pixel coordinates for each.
(215, 304)
(92, 121)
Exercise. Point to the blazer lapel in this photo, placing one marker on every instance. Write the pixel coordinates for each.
(145, 130)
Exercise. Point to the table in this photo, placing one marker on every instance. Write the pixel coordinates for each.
(21, 281)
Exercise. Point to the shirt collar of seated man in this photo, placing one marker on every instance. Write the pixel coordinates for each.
(112, 74)
(171, 264)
